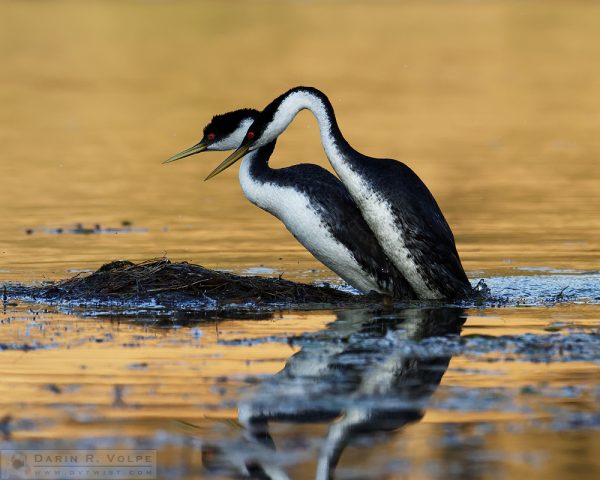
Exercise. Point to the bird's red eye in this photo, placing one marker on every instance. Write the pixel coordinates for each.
(250, 135)
(211, 136)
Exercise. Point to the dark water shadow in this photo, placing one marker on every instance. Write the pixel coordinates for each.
(359, 377)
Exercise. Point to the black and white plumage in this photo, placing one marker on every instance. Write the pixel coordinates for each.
(370, 383)
(312, 203)
(396, 204)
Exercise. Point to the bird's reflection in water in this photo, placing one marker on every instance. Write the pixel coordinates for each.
(362, 375)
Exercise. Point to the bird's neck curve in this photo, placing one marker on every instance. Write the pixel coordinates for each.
(256, 163)
(255, 173)
(336, 147)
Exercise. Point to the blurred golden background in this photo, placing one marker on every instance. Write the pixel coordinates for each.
(495, 104)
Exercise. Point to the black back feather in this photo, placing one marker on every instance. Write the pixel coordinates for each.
(330, 198)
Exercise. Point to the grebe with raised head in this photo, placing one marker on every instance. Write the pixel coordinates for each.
(313, 205)
(393, 200)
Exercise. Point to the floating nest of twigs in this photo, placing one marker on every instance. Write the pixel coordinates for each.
(170, 283)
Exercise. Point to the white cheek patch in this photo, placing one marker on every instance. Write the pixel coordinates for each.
(234, 139)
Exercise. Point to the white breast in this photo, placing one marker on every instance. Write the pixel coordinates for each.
(293, 208)
(374, 208)
(377, 212)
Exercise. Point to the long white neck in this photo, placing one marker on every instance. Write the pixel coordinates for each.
(247, 182)
(333, 142)
(254, 173)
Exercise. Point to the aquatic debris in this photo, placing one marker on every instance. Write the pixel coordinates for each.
(23, 347)
(196, 332)
(118, 392)
(170, 283)
(138, 366)
(80, 229)
(575, 347)
(5, 302)
(54, 388)
(524, 290)
(5, 429)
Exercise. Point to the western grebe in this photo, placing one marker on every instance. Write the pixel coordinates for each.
(312, 203)
(395, 203)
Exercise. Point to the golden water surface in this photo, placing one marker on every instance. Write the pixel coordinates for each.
(495, 104)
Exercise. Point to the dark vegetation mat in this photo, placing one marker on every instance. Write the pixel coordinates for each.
(175, 284)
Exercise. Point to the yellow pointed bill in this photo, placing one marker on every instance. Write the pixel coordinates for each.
(229, 161)
(199, 147)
